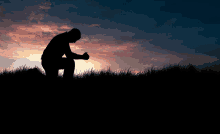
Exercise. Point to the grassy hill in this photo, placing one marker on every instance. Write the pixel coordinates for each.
(170, 77)
(181, 95)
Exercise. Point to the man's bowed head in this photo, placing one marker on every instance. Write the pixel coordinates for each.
(72, 37)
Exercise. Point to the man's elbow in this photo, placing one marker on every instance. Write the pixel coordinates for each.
(69, 55)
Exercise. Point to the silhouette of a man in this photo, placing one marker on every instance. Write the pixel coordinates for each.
(52, 60)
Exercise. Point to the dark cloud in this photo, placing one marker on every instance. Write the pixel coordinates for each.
(4, 1)
(128, 1)
(2, 9)
(207, 11)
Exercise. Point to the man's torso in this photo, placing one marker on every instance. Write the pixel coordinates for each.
(55, 49)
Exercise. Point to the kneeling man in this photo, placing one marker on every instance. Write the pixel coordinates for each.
(52, 60)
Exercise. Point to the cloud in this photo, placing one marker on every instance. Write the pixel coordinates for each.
(5, 63)
(114, 49)
(45, 6)
(137, 43)
(4, 37)
(195, 9)
(94, 25)
(197, 59)
(1, 11)
(26, 13)
(36, 17)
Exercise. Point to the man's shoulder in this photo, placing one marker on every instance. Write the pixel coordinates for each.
(61, 34)
(59, 37)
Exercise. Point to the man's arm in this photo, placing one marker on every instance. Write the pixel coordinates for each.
(70, 54)
(77, 56)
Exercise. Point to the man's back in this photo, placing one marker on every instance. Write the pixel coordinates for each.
(57, 47)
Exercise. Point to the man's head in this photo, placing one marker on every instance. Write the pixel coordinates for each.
(74, 35)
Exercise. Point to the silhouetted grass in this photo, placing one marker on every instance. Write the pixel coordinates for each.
(171, 75)
(173, 93)
(168, 89)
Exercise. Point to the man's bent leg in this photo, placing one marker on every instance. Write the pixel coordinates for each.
(68, 74)
(69, 66)
(50, 69)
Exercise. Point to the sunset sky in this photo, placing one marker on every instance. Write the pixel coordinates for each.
(119, 34)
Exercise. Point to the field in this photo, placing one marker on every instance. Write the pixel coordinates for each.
(181, 95)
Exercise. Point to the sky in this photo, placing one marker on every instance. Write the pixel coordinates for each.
(120, 34)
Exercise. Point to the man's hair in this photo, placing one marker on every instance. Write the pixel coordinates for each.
(75, 33)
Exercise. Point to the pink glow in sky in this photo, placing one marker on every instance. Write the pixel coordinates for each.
(22, 43)
(25, 44)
